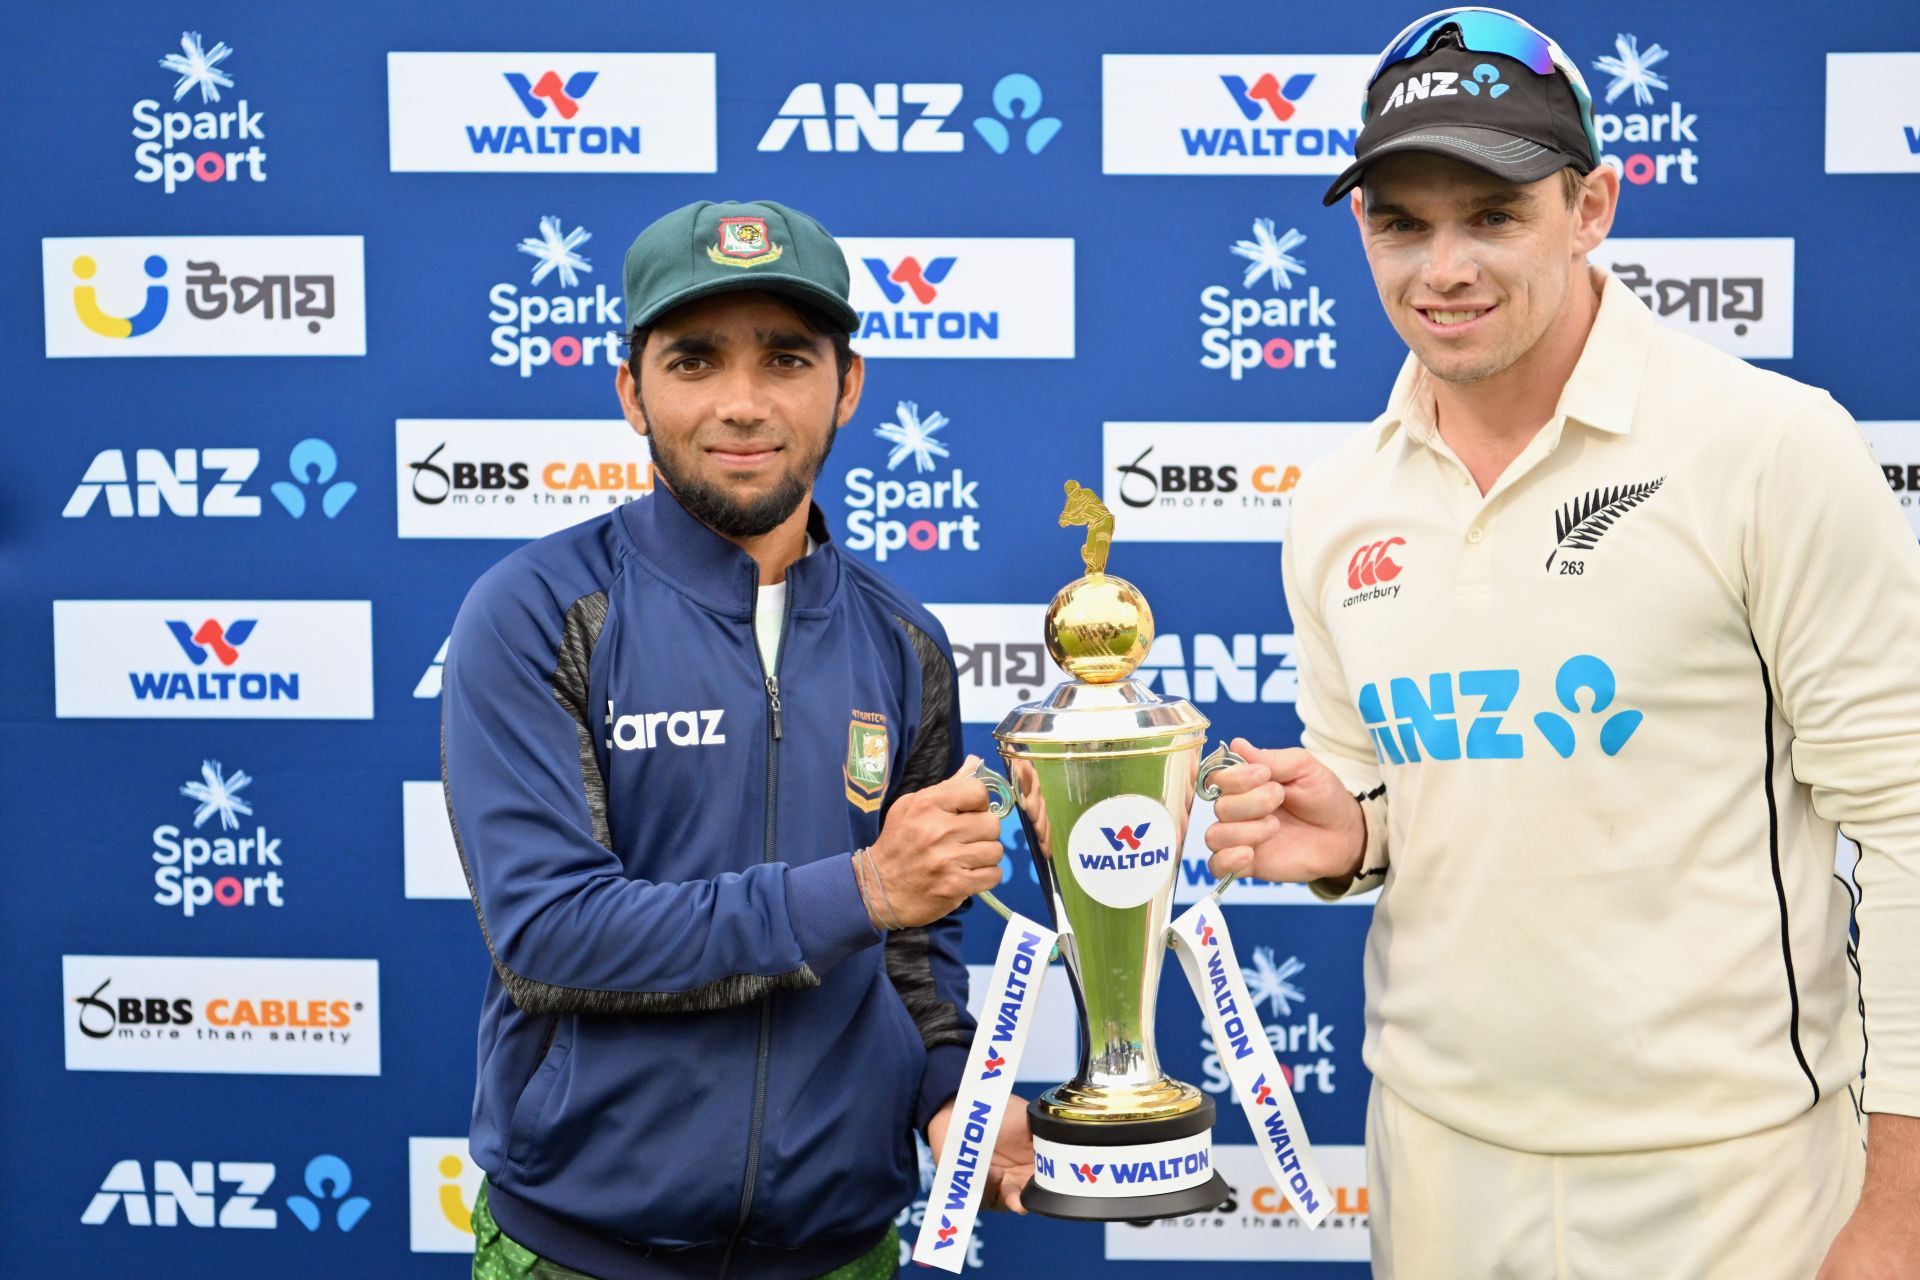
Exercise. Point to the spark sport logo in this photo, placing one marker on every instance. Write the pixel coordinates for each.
(1659, 138)
(524, 324)
(886, 516)
(180, 879)
(1250, 332)
(159, 154)
(1425, 719)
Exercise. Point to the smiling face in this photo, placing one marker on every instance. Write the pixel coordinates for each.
(1475, 273)
(740, 401)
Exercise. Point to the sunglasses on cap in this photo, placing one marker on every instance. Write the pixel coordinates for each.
(1492, 31)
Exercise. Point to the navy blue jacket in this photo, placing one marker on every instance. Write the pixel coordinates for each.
(697, 1056)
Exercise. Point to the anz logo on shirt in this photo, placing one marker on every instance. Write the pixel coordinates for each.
(1426, 724)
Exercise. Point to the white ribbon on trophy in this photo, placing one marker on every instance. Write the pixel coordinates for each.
(1205, 947)
(953, 1202)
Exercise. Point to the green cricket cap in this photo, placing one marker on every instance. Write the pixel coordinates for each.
(707, 248)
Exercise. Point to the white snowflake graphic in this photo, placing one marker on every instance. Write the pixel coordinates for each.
(198, 66)
(219, 794)
(556, 252)
(912, 436)
(1633, 69)
(1270, 983)
(1270, 254)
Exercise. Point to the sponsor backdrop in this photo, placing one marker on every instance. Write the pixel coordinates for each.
(360, 273)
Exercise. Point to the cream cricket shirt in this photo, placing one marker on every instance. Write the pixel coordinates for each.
(1608, 716)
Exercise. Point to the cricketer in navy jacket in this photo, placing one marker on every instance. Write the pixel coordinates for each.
(696, 1054)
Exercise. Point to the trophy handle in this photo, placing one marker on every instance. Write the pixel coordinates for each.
(1217, 759)
(1001, 805)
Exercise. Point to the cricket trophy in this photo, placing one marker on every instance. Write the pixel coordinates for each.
(1104, 771)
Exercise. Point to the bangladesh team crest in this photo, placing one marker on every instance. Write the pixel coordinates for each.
(744, 242)
(867, 759)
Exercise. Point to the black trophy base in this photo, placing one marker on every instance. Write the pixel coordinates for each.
(1210, 1194)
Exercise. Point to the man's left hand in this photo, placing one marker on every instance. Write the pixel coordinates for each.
(1012, 1165)
(1881, 1241)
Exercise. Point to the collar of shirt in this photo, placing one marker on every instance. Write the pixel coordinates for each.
(1600, 394)
(713, 570)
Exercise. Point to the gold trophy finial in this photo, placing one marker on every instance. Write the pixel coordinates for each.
(1084, 507)
(1099, 627)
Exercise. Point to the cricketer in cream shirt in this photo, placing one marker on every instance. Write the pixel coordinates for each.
(1604, 720)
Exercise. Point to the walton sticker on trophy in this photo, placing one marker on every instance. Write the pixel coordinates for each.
(1104, 772)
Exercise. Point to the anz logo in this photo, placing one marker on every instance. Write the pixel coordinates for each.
(1426, 724)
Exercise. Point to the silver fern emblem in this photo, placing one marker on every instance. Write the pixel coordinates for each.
(1582, 522)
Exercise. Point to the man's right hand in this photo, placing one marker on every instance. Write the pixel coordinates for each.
(1284, 816)
(938, 848)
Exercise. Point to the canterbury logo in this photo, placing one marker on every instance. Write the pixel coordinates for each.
(1126, 837)
(1371, 565)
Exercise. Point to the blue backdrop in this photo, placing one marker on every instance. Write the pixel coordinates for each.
(135, 1150)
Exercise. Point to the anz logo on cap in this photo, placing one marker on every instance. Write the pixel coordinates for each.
(1484, 82)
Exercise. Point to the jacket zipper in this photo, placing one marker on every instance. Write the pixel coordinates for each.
(772, 680)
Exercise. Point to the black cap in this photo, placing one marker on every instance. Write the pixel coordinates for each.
(1484, 108)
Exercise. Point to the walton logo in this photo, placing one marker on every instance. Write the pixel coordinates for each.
(1271, 96)
(176, 485)
(872, 120)
(1267, 91)
(1087, 1172)
(222, 642)
(1630, 69)
(1127, 854)
(1429, 722)
(919, 279)
(86, 303)
(911, 274)
(1231, 318)
(565, 96)
(156, 132)
(643, 732)
(552, 139)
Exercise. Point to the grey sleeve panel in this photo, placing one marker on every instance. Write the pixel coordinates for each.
(579, 634)
(909, 965)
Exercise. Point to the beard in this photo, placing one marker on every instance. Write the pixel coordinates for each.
(720, 511)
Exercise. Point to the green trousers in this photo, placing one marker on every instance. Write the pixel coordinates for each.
(496, 1257)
